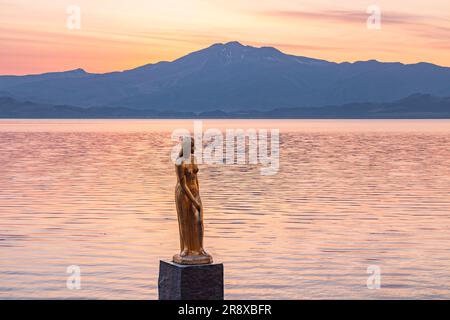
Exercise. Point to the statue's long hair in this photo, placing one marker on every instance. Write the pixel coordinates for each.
(188, 142)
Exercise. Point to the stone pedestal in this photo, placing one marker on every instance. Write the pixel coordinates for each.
(190, 282)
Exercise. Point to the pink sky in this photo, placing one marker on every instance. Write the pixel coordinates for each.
(118, 35)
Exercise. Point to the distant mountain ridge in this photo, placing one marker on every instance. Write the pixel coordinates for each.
(232, 77)
(416, 106)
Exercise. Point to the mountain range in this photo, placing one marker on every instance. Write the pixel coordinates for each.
(416, 106)
(232, 79)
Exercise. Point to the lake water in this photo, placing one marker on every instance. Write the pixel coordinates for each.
(348, 196)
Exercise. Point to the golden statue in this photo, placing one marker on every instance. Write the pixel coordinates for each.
(189, 208)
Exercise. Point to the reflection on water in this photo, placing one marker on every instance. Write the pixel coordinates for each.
(348, 195)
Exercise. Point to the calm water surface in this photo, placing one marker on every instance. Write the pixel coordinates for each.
(348, 195)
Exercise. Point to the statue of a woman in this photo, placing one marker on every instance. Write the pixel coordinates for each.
(189, 208)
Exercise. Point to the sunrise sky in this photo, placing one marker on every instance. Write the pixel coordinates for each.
(119, 35)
